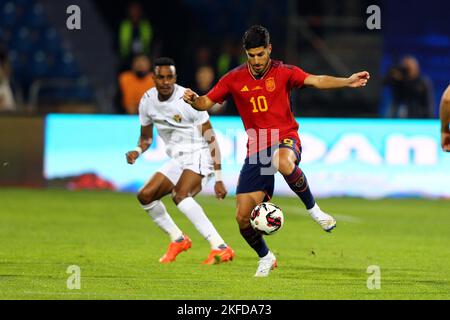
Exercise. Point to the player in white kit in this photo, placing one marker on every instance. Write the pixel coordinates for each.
(195, 158)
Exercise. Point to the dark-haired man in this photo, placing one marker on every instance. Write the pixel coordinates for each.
(445, 120)
(195, 158)
(261, 91)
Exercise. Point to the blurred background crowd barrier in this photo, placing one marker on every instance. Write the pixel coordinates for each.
(345, 157)
(371, 158)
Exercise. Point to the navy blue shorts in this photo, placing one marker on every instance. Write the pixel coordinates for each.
(257, 173)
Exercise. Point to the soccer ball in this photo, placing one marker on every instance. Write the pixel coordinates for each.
(267, 218)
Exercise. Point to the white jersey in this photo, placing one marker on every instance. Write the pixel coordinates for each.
(178, 124)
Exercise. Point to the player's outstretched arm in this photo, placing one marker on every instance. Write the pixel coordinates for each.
(200, 103)
(210, 137)
(145, 141)
(356, 80)
(445, 120)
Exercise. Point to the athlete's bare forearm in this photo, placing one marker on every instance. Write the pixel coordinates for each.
(211, 139)
(145, 141)
(328, 82)
(215, 154)
(146, 138)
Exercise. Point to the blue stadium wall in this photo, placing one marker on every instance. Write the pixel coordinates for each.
(370, 158)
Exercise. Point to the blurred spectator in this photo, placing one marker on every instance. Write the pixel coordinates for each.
(230, 57)
(134, 83)
(204, 81)
(7, 102)
(202, 57)
(135, 34)
(412, 93)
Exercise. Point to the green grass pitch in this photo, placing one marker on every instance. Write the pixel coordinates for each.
(117, 246)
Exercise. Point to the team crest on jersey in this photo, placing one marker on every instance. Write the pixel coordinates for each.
(270, 84)
(177, 118)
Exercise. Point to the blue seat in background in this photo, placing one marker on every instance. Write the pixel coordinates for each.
(82, 93)
(8, 14)
(6, 35)
(51, 41)
(24, 3)
(68, 66)
(21, 63)
(21, 40)
(18, 63)
(35, 17)
(39, 67)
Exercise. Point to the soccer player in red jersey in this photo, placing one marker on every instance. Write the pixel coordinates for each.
(261, 91)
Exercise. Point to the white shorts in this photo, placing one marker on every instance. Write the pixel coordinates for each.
(200, 162)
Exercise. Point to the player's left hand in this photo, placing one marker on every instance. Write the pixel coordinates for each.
(445, 141)
(359, 79)
(220, 190)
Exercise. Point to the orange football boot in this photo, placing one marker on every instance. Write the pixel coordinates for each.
(175, 248)
(220, 255)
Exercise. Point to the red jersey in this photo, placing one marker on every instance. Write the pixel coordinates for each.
(263, 104)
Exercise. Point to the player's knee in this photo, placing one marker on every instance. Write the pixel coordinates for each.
(282, 162)
(285, 166)
(243, 220)
(147, 196)
(179, 195)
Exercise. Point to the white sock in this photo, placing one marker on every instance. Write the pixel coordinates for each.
(315, 210)
(161, 217)
(195, 213)
(267, 256)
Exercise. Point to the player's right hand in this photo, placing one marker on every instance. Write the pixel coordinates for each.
(132, 156)
(220, 190)
(445, 141)
(189, 96)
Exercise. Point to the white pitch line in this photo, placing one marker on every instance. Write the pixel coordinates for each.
(301, 211)
(345, 218)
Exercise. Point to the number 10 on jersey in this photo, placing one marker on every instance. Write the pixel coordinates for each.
(259, 104)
